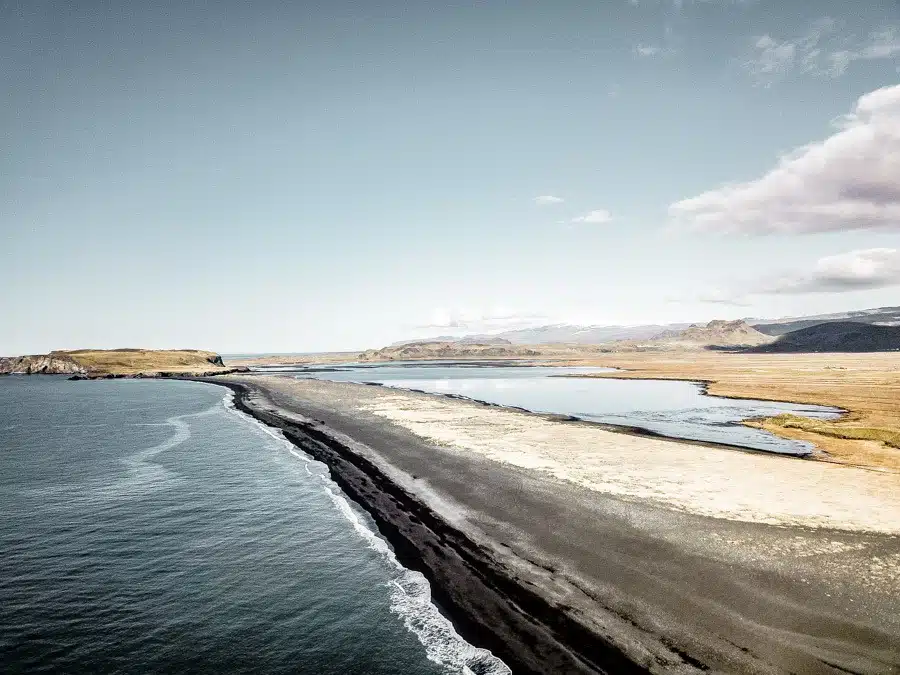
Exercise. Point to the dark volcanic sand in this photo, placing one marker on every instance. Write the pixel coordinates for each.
(556, 578)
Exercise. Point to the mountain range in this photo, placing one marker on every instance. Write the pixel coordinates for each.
(563, 333)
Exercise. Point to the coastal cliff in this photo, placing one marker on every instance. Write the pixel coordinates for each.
(92, 363)
(54, 363)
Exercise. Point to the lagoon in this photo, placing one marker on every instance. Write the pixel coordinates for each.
(671, 408)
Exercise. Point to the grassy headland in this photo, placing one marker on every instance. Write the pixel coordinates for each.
(118, 362)
(134, 361)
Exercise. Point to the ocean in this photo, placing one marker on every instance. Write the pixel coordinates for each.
(147, 526)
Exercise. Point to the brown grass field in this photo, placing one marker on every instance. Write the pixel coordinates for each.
(867, 386)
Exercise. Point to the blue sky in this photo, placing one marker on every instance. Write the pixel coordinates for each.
(313, 176)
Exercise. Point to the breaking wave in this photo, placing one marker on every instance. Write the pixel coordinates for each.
(410, 592)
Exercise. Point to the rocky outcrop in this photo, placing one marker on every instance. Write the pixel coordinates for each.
(54, 363)
(718, 333)
(447, 350)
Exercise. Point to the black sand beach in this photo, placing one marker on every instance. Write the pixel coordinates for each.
(557, 578)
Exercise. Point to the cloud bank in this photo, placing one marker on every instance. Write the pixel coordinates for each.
(482, 320)
(849, 181)
(853, 271)
(596, 216)
(823, 51)
(546, 200)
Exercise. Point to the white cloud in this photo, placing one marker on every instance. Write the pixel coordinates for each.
(772, 59)
(849, 181)
(853, 271)
(596, 216)
(648, 50)
(861, 270)
(883, 44)
(545, 200)
(822, 51)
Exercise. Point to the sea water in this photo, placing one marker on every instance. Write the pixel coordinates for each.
(148, 526)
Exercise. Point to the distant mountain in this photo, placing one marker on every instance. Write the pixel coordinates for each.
(836, 336)
(573, 334)
(880, 316)
(446, 350)
(564, 333)
(468, 340)
(716, 333)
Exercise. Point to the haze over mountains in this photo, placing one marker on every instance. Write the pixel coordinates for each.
(599, 334)
(717, 334)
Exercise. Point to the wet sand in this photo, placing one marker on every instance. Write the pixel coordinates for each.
(564, 547)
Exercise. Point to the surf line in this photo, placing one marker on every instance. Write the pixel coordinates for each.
(410, 592)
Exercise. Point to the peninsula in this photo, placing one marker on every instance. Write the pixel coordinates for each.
(93, 363)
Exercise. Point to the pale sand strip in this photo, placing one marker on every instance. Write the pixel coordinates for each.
(710, 481)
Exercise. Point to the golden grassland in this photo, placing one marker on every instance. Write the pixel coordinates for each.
(867, 386)
(292, 359)
(147, 361)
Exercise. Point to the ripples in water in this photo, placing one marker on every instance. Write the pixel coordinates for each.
(145, 527)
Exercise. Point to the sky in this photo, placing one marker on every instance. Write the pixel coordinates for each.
(311, 176)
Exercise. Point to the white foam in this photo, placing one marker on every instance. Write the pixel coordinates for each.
(410, 592)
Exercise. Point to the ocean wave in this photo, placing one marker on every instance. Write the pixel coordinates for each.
(410, 592)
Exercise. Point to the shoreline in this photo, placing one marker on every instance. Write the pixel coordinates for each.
(511, 631)
(815, 453)
(865, 386)
(625, 429)
(660, 590)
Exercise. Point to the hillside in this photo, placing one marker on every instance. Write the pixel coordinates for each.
(101, 362)
(446, 350)
(716, 333)
(840, 336)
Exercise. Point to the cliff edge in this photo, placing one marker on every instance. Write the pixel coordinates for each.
(117, 363)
